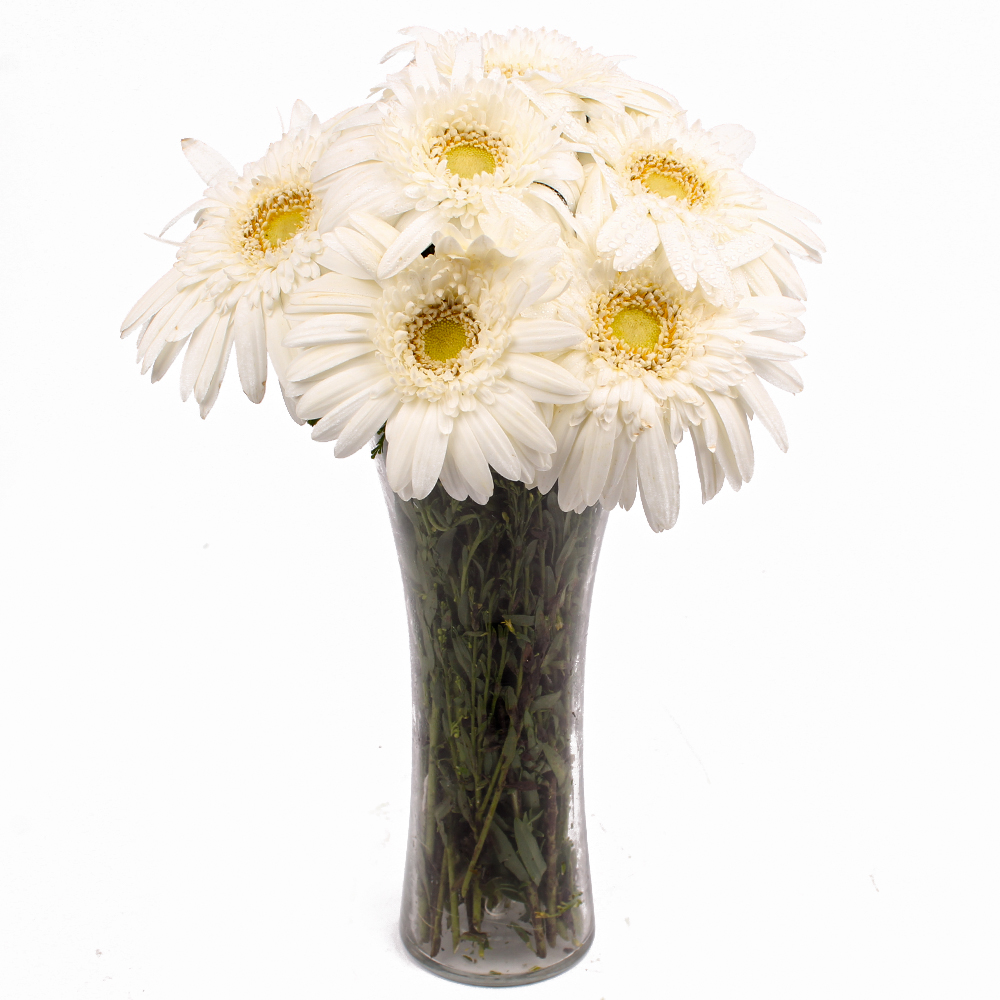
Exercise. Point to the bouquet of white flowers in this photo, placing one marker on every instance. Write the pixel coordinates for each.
(527, 277)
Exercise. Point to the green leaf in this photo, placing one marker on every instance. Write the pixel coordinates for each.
(521, 619)
(509, 745)
(546, 702)
(523, 935)
(556, 762)
(527, 849)
(505, 852)
(442, 547)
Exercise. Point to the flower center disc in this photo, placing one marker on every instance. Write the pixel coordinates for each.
(444, 340)
(275, 219)
(637, 328)
(664, 185)
(666, 176)
(283, 226)
(468, 160)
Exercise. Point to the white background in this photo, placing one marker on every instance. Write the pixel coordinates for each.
(792, 699)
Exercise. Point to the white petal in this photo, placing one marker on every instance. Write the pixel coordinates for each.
(495, 444)
(401, 433)
(586, 469)
(709, 471)
(564, 429)
(154, 300)
(519, 418)
(468, 64)
(363, 425)
(734, 141)
(764, 409)
(429, 452)
(767, 349)
(630, 234)
(778, 373)
(314, 360)
(365, 251)
(469, 460)
(251, 348)
(197, 349)
(275, 331)
(543, 380)
(330, 328)
(351, 378)
(375, 229)
(744, 248)
(779, 263)
(738, 433)
(410, 243)
(216, 357)
(192, 320)
(346, 153)
(659, 486)
(218, 362)
(300, 117)
(677, 247)
(531, 336)
(166, 357)
(212, 167)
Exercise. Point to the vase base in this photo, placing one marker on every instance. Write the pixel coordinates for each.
(466, 969)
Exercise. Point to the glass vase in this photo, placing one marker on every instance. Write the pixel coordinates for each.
(497, 882)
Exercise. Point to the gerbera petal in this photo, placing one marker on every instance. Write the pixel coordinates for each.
(212, 167)
(543, 380)
(495, 444)
(330, 328)
(677, 247)
(402, 430)
(314, 360)
(659, 487)
(709, 470)
(352, 377)
(530, 336)
(363, 425)
(154, 300)
(778, 373)
(734, 141)
(518, 417)
(629, 234)
(428, 452)
(737, 432)
(251, 348)
(197, 351)
(410, 243)
(467, 455)
(764, 409)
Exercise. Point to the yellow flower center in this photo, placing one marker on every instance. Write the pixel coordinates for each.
(638, 325)
(275, 219)
(283, 226)
(469, 150)
(637, 328)
(467, 161)
(667, 176)
(439, 333)
(444, 340)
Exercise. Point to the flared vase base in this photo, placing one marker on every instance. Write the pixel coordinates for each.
(495, 969)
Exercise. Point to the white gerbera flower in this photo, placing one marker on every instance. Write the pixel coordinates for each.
(256, 239)
(660, 361)
(681, 187)
(553, 66)
(477, 154)
(440, 354)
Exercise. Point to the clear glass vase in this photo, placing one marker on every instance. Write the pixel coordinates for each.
(497, 884)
